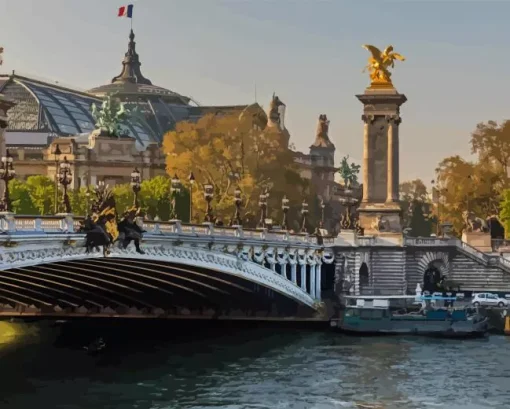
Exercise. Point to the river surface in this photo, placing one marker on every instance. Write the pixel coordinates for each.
(250, 368)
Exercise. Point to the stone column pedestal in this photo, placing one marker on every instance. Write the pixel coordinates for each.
(479, 240)
(380, 211)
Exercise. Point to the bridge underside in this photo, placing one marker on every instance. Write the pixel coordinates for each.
(133, 287)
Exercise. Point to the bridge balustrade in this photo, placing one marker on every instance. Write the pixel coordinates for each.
(13, 224)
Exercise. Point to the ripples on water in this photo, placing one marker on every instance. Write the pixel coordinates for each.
(255, 369)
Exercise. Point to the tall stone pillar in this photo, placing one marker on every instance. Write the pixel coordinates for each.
(367, 159)
(379, 211)
(393, 160)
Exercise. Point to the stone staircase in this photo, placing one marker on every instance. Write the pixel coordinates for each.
(388, 274)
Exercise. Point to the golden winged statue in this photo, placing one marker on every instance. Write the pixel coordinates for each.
(379, 64)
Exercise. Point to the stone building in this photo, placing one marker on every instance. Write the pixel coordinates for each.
(318, 166)
(46, 114)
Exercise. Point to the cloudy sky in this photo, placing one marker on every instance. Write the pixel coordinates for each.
(307, 51)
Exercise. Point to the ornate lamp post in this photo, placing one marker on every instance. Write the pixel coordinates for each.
(191, 179)
(136, 185)
(238, 201)
(65, 178)
(263, 207)
(87, 196)
(304, 211)
(285, 208)
(321, 222)
(175, 189)
(56, 152)
(7, 173)
(208, 195)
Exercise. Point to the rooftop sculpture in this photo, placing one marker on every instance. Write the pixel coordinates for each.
(379, 64)
(110, 116)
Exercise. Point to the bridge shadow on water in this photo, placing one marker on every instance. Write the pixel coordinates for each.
(46, 357)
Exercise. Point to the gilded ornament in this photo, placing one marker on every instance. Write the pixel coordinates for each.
(379, 64)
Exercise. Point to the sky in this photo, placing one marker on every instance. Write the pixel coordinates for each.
(307, 51)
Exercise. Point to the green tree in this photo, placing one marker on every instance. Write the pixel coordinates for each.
(156, 198)
(413, 193)
(504, 214)
(42, 193)
(21, 201)
(491, 142)
(80, 204)
(420, 221)
(124, 197)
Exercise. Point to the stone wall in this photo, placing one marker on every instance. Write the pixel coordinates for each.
(475, 276)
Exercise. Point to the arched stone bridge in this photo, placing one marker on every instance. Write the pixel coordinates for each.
(197, 271)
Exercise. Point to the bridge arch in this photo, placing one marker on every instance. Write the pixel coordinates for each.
(432, 267)
(164, 277)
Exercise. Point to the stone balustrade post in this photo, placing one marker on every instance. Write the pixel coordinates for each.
(7, 222)
(210, 228)
(67, 223)
(177, 226)
(156, 229)
(239, 232)
(38, 224)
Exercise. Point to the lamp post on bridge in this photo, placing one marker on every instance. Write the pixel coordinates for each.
(285, 209)
(235, 175)
(136, 185)
(321, 222)
(208, 195)
(65, 178)
(237, 221)
(304, 211)
(191, 179)
(7, 173)
(56, 152)
(87, 196)
(175, 189)
(263, 208)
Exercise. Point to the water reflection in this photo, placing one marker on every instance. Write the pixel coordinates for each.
(258, 369)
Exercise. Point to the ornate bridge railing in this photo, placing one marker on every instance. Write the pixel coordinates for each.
(12, 224)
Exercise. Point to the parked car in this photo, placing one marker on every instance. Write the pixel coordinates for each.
(489, 299)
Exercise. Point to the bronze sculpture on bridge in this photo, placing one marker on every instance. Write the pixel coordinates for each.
(103, 228)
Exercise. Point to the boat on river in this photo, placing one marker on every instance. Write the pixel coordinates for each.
(408, 315)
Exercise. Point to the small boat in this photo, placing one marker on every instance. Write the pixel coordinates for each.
(390, 315)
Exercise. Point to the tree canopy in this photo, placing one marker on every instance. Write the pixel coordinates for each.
(416, 208)
(478, 185)
(228, 151)
(36, 195)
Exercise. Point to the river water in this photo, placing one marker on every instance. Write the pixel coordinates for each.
(249, 368)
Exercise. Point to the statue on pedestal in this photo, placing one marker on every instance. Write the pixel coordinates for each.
(110, 116)
(474, 223)
(379, 63)
(276, 112)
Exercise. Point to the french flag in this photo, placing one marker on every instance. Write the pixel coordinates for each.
(126, 11)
